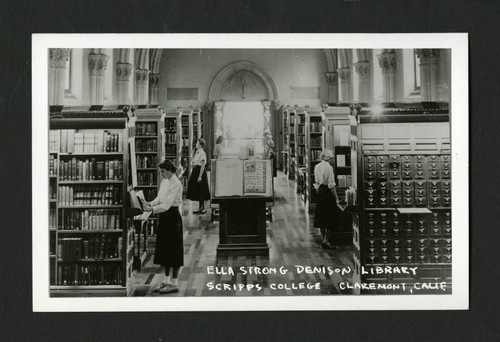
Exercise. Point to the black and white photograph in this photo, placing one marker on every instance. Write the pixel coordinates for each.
(190, 172)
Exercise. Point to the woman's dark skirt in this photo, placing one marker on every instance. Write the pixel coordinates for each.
(169, 250)
(324, 216)
(198, 191)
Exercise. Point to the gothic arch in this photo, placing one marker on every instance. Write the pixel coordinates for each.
(241, 66)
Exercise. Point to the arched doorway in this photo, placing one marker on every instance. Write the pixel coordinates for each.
(242, 95)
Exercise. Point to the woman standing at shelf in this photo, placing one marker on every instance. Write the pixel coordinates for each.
(198, 181)
(169, 251)
(327, 199)
(218, 147)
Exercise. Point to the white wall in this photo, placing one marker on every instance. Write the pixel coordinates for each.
(190, 68)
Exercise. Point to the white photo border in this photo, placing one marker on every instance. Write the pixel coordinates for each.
(457, 42)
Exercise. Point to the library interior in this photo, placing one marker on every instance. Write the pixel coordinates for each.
(303, 172)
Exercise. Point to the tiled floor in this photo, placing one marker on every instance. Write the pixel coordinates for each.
(293, 242)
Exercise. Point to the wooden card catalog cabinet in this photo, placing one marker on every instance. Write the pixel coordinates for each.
(403, 184)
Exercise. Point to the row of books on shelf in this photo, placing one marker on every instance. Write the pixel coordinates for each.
(88, 220)
(171, 138)
(90, 169)
(185, 142)
(185, 131)
(171, 149)
(145, 129)
(171, 124)
(74, 141)
(185, 120)
(147, 178)
(99, 247)
(301, 150)
(301, 119)
(316, 127)
(146, 145)
(301, 140)
(316, 141)
(300, 129)
(315, 154)
(52, 218)
(89, 195)
(85, 275)
(144, 162)
(185, 151)
(53, 165)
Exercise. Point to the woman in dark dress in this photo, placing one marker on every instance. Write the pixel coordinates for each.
(169, 250)
(326, 199)
(198, 181)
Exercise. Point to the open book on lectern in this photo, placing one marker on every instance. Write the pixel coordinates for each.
(235, 177)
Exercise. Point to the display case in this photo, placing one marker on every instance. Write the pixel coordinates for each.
(402, 173)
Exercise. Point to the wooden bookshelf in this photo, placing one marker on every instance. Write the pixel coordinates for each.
(314, 145)
(88, 226)
(291, 143)
(300, 151)
(148, 149)
(186, 130)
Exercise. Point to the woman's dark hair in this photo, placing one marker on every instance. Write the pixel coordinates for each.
(167, 165)
(202, 142)
(219, 139)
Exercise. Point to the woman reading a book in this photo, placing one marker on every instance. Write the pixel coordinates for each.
(198, 181)
(327, 199)
(169, 251)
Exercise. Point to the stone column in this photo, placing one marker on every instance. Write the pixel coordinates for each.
(363, 70)
(218, 118)
(387, 62)
(344, 75)
(267, 115)
(142, 86)
(434, 73)
(97, 67)
(333, 86)
(154, 90)
(123, 72)
(57, 70)
(423, 56)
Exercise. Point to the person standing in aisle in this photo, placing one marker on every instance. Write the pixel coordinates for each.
(198, 181)
(169, 249)
(326, 199)
(218, 147)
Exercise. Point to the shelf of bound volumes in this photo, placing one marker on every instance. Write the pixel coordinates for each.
(285, 128)
(314, 145)
(186, 131)
(149, 152)
(89, 234)
(402, 174)
(300, 151)
(290, 114)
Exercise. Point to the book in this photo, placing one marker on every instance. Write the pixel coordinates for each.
(234, 177)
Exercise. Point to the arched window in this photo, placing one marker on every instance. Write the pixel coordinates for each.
(411, 74)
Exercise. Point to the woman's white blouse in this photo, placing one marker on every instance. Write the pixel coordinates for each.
(170, 195)
(323, 174)
(200, 157)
